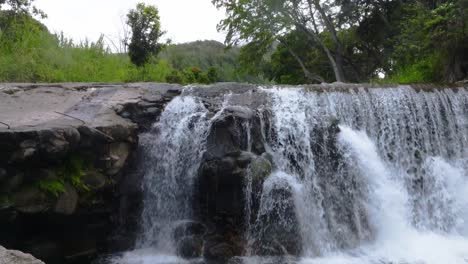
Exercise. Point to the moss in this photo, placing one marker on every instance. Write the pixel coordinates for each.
(52, 186)
(5, 202)
(73, 170)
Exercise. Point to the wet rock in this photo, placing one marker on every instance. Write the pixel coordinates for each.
(31, 200)
(53, 144)
(190, 247)
(259, 169)
(94, 180)
(188, 228)
(12, 183)
(3, 175)
(244, 159)
(17, 257)
(118, 153)
(219, 252)
(67, 201)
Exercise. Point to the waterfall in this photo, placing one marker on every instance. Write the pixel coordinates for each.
(173, 150)
(360, 175)
(397, 192)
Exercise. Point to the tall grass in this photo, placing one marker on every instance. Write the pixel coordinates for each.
(29, 53)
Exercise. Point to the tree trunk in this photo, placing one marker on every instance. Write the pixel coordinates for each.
(309, 75)
(337, 60)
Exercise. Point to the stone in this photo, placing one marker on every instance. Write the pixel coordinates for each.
(118, 153)
(67, 201)
(219, 252)
(30, 200)
(244, 159)
(188, 228)
(260, 168)
(94, 180)
(3, 175)
(53, 144)
(190, 247)
(12, 183)
(17, 257)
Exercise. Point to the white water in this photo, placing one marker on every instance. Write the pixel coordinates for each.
(392, 189)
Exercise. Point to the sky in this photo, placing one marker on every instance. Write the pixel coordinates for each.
(184, 20)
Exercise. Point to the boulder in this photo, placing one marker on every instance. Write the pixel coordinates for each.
(188, 228)
(95, 180)
(190, 247)
(118, 153)
(31, 200)
(219, 252)
(12, 183)
(17, 257)
(67, 201)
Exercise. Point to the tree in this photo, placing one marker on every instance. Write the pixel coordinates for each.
(267, 21)
(23, 7)
(146, 33)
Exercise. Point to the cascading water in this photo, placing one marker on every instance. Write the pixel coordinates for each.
(401, 164)
(360, 176)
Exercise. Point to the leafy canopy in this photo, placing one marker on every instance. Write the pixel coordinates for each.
(146, 33)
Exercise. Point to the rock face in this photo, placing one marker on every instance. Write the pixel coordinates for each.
(66, 150)
(17, 257)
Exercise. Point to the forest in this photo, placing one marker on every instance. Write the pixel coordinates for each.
(267, 41)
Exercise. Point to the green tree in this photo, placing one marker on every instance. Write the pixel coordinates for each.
(268, 21)
(146, 33)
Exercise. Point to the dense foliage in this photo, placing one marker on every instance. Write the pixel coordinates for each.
(268, 41)
(302, 41)
(146, 33)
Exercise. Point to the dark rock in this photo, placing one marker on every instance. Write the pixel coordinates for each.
(188, 228)
(67, 201)
(219, 252)
(259, 169)
(12, 183)
(94, 180)
(53, 144)
(190, 247)
(31, 200)
(3, 175)
(118, 153)
(244, 159)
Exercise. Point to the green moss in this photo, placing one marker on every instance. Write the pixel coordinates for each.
(5, 202)
(73, 170)
(52, 186)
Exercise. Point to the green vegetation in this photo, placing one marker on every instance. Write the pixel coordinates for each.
(146, 32)
(71, 171)
(310, 41)
(285, 42)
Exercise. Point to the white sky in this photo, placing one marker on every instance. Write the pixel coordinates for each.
(184, 20)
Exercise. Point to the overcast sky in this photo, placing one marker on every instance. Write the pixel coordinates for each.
(184, 20)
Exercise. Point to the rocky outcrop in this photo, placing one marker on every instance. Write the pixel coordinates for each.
(66, 150)
(17, 257)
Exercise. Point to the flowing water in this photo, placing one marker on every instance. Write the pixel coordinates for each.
(364, 176)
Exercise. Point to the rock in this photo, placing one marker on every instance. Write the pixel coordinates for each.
(244, 159)
(3, 175)
(12, 183)
(53, 143)
(259, 169)
(30, 200)
(188, 228)
(67, 201)
(16, 257)
(94, 180)
(190, 247)
(219, 252)
(118, 153)
(27, 149)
